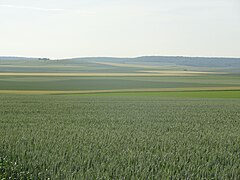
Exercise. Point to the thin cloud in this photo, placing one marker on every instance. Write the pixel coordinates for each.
(31, 8)
(82, 12)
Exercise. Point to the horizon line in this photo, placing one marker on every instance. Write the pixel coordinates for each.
(120, 57)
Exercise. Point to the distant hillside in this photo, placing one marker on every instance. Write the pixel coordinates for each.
(193, 61)
(171, 60)
(153, 60)
(16, 58)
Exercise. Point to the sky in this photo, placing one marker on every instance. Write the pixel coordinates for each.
(120, 28)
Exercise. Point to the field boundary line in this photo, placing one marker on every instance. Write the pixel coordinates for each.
(172, 73)
(193, 89)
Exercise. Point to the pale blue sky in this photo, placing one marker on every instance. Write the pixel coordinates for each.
(76, 28)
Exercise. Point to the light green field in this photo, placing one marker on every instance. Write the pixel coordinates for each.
(187, 94)
(176, 93)
(39, 83)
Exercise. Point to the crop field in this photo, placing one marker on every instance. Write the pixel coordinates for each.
(73, 83)
(104, 118)
(119, 137)
(105, 75)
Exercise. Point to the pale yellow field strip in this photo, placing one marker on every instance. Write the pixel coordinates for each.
(120, 90)
(132, 65)
(96, 74)
(162, 67)
(181, 72)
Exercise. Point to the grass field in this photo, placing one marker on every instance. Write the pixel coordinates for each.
(72, 83)
(175, 94)
(74, 119)
(119, 137)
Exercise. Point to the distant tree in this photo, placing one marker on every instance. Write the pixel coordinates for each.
(44, 59)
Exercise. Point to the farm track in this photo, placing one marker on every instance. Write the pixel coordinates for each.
(163, 73)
